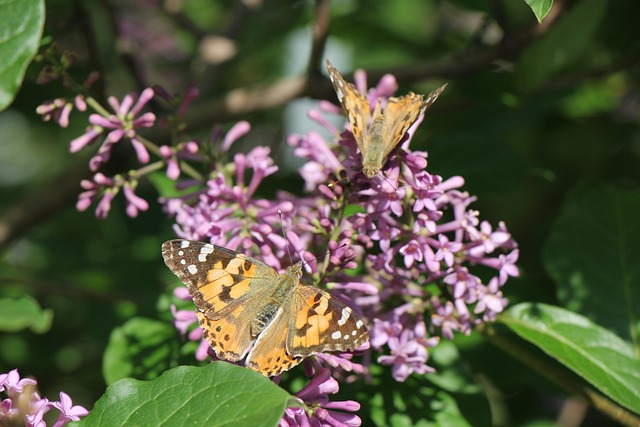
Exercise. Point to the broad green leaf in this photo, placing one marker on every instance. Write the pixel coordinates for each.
(20, 32)
(593, 253)
(540, 8)
(21, 313)
(594, 353)
(141, 348)
(564, 44)
(219, 394)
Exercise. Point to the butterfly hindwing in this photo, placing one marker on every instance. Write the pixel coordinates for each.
(323, 323)
(269, 355)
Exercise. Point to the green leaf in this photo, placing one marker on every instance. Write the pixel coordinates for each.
(593, 253)
(594, 353)
(17, 314)
(219, 394)
(540, 8)
(141, 348)
(22, 23)
(565, 43)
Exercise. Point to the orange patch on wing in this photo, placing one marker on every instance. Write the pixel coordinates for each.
(240, 288)
(322, 307)
(319, 322)
(224, 338)
(216, 281)
(216, 274)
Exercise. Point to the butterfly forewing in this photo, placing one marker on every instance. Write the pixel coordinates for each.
(354, 105)
(223, 286)
(217, 278)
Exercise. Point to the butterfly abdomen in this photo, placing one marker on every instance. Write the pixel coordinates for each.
(266, 315)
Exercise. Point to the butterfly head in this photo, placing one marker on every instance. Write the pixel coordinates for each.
(296, 269)
(370, 171)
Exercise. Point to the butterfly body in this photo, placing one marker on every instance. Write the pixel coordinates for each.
(247, 310)
(379, 131)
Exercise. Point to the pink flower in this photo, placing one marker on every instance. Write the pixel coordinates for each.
(121, 125)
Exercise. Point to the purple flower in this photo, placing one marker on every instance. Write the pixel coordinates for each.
(59, 110)
(412, 251)
(68, 412)
(11, 381)
(134, 203)
(173, 169)
(320, 410)
(122, 124)
(412, 239)
(31, 407)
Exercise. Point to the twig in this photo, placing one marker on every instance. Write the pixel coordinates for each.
(95, 61)
(320, 34)
(42, 203)
(130, 61)
(66, 289)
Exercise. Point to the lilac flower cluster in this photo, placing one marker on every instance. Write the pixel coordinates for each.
(403, 247)
(421, 242)
(122, 124)
(24, 405)
(413, 240)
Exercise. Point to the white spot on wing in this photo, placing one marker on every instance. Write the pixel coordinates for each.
(183, 262)
(336, 335)
(207, 249)
(359, 324)
(346, 312)
(185, 244)
(202, 257)
(192, 269)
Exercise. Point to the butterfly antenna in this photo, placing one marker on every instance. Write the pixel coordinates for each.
(327, 253)
(389, 182)
(284, 235)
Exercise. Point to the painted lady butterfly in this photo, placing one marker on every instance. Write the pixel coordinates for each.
(376, 131)
(246, 308)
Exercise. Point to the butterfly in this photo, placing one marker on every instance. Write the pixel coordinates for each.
(378, 133)
(247, 309)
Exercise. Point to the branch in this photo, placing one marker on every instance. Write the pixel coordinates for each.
(320, 34)
(42, 203)
(243, 101)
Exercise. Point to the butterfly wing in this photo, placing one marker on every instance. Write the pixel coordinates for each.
(354, 105)
(401, 113)
(223, 284)
(269, 355)
(322, 322)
